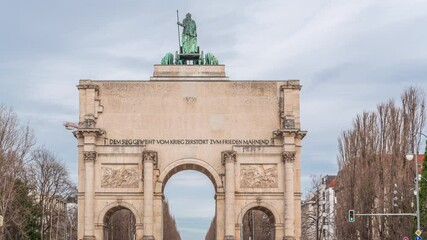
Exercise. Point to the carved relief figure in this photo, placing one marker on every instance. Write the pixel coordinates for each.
(119, 178)
(258, 176)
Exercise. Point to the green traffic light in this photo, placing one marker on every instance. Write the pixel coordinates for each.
(351, 215)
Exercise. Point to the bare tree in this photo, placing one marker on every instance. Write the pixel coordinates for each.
(52, 187)
(72, 220)
(122, 225)
(15, 145)
(317, 215)
(170, 230)
(211, 234)
(373, 176)
(258, 224)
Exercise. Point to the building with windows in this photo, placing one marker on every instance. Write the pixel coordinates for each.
(318, 211)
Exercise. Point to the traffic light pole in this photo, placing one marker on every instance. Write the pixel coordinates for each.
(385, 214)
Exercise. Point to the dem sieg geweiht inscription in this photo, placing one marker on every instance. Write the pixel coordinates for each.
(186, 141)
(244, 135)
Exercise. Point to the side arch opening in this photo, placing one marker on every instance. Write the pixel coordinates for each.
(258, 223)
(119, 222)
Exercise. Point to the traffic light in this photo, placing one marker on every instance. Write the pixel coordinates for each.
(351, 215)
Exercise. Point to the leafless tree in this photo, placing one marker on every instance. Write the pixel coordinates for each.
(170, 230)
(258, 223)
(373, 175)
(72, 221)
(52, 187)
(15, 145)
(122, 225)
(317, 217)
(211, 234)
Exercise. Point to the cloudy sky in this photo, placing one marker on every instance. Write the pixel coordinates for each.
(349, 56)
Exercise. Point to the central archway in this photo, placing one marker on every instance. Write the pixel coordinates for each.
(188, 164)
(199, 166)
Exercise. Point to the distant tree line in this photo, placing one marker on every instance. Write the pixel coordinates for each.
(34, 186)
(374, 176)
(170, 230)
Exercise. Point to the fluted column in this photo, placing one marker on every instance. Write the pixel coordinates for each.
(89, 160)
(288, 158)
(149, 158)
(229, 159)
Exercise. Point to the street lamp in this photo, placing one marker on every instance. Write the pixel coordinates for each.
(410, 156)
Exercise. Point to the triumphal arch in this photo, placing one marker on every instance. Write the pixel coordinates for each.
(244, 135)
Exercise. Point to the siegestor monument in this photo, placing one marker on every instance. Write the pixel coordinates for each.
(244, 135)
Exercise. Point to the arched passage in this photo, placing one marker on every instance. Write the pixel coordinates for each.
(119, 223)
(107, 216)
(258, 223)
(197, 172)
(188, 164)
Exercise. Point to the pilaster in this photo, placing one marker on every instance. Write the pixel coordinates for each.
(89, 158)
(288, 158)
(228, 158)
(149, 159)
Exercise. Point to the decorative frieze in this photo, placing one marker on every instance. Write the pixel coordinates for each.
(119, 178)
(288, 156)
(289, 122)
(87, 123)
(258, 176)
(89, 156)
(227, 156)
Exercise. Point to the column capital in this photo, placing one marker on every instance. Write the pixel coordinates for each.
(227, 156)
(89, 156)
(149, 156)
(288, 156)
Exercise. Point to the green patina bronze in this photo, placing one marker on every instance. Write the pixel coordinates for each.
(189, 35)
(210, 59)
(189, 53)
(167, 59)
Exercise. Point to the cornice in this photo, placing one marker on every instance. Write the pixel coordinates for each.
(87, 86)
(290, 131)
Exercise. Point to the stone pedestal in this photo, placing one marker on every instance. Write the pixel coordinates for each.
(189, 73)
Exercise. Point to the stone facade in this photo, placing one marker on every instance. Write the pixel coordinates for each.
(244, 136)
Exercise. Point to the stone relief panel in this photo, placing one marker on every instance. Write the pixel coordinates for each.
(120, 177)
(258, 176)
